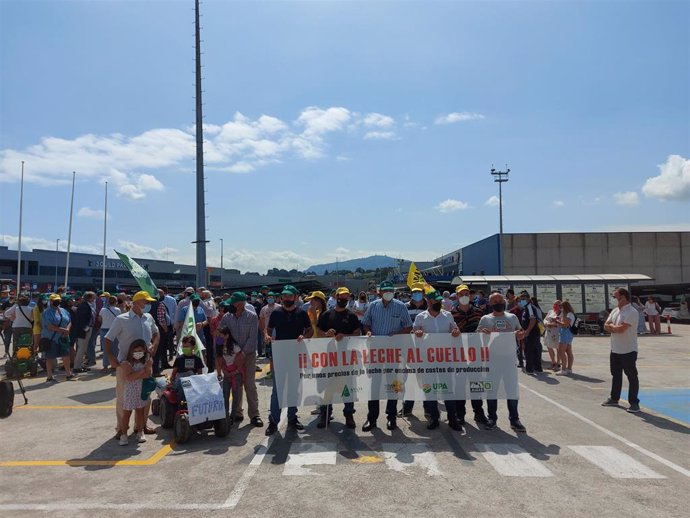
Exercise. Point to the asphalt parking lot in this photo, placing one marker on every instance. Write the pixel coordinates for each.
(58, 456)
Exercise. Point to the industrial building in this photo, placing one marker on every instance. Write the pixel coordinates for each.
(661, 260)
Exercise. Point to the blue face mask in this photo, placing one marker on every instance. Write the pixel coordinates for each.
(270, 300)
(417, 297)
(147, 308)
(523, 303)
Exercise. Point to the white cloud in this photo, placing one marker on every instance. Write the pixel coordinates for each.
(558, 204)
(626, 198)
(493, 201)
(136, 250)
(241, 144)
(87, 212)
(450, 205)
(38, 243)
(451, 118)
(380, 135)
(673, 182)
(378, 120)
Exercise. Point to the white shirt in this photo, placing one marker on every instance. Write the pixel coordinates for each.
(19, 319)
(625, 342)
(441, 323)
(650, 308)
(128, 327)
(108, 314)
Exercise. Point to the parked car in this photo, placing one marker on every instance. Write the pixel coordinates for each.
(672, 310)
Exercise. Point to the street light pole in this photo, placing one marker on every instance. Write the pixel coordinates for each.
(500, 177)
(57, 244)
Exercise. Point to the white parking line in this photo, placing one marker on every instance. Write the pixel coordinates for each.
(511, 460)
(403, 456)
(608, 432)
(615, 462)
(248, 473)
(309, 454)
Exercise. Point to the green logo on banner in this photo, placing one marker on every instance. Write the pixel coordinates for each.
(345, 392)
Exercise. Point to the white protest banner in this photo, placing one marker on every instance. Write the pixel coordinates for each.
(434, 367)
(204, 398)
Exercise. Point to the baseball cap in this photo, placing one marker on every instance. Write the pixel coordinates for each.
(189, 289)
(238, 296)
(386, 286)
(143, 295)
(195, 297)
(317, 295)
(462, 287)
(55, 296)
(289, 289)
(418, 286)
(105, 294)
(434, 295)
(343, 290)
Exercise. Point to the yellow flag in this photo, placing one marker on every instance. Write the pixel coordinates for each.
(414, 276)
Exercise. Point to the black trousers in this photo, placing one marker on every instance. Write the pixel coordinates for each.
(619, 364)
(533, 354)
(375, 409)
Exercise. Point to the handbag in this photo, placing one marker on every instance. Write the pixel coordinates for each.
(44, 344)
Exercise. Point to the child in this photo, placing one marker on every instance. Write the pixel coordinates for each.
(185, 365)
(136, 367)
(229, 361)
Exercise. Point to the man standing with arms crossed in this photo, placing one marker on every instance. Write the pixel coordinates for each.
(133, 325)
(622, 324)
(385, 317)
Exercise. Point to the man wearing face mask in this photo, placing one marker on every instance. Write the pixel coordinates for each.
(135, 324)
(531, 316)
(467, 319)
(417, 302)
(82, 328)
(498, 321)
(338, 323)
(437, 320)
(244, 326)
(289, 323)
(385, 317)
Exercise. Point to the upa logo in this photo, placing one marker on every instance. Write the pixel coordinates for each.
(426, 388)
(396, 386)
(480, 386)
(349, 391)
(436, 388)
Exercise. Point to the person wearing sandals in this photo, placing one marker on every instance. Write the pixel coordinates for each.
(56, 327)
(551, 334)
(137, 366)
(565, 339)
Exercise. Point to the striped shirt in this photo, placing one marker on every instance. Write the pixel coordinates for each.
(386, 321)
(244, 329)
(467, 321)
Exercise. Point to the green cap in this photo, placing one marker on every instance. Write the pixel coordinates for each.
(194, 297)
(264, 288)
(238, 296)
(271, 294)
(386, 286)
(289, 289)
(434, 295)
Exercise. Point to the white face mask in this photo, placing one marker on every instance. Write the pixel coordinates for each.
(613, 302)
(388, 296)
(464, 300)
(138, 355)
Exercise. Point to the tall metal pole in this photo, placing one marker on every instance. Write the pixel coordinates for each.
(105, 233)
(19, 245)
(200, 203)
(57, 244)
(221, 262)
(500, 177)
(69, 233)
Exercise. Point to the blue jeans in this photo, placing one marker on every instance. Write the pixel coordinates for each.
(274, 412)
(492, 407)
(348, 410)
(91, 350)
(114, 348)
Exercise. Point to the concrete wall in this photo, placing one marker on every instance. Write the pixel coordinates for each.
(665, 256)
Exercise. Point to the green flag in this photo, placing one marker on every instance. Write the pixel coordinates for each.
(142, 277)
(189, 329)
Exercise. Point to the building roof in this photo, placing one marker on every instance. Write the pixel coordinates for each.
(495, 279)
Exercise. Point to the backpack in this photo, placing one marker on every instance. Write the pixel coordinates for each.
(575, 328)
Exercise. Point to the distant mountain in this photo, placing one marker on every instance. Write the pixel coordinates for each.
(366, 263)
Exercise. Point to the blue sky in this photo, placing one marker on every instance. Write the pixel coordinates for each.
(340, 129)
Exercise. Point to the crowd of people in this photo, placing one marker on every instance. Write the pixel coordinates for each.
(139, 336)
